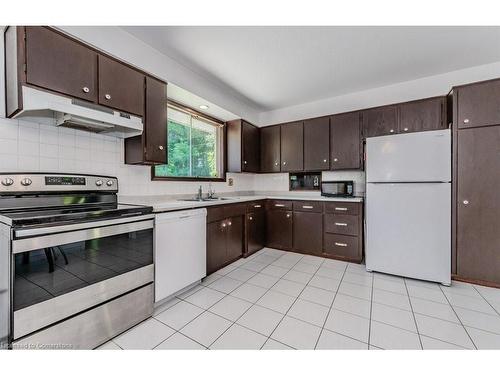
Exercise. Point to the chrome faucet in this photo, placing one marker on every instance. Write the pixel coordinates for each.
(200, 194)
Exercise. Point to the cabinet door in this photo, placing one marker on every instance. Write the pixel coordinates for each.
(422, 115)
(479, 104)
(250, 138)
(345, 141)
(234, 239)
(216, 245)
(292, 147)
(478, 210)
(279, 229)
(317, 144)
(57, 63)
(255, 227)
(380, 121)
(120, 87)
(270, 149)
(155, 121)
(308, 232)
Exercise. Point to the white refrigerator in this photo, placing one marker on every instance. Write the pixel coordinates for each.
(408, 205)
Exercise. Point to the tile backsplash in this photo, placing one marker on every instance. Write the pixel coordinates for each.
(32, 147)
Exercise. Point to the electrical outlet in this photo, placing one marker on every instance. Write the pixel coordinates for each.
(230, 181)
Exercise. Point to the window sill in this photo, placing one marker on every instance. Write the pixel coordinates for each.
(199, 179)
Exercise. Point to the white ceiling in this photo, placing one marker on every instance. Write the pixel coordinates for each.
(277, 67)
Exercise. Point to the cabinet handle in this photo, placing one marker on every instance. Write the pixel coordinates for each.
(466, 202)
(223, 225)
(245, 162)
(288, 215)
(257, 206)
(341, 224)
(279, 205)
(284, 163)
(86, 89)
(229, 223)
(307, 207)
(341, 244)
(340, 209)
(391, 131)
(335, 160)
(276, 163)
(250, 218)
(405, 129)
(324, 160)
(160, 147)
(107, 96)
(466, 121)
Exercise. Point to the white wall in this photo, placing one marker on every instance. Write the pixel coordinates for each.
(417, 89)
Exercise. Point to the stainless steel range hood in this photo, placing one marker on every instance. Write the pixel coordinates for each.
(47, 108)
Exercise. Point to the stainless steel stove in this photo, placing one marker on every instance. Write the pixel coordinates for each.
(76, 267)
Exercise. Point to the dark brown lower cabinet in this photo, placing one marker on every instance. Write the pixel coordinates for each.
(216, 246)
(478, 205)
(225, 235)
(255, 227)
(279, 229)
(308, 232)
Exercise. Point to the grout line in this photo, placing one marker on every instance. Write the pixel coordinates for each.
(371, 309)
(331, 307)
(460, 320)
(488, 302)
(414, 320)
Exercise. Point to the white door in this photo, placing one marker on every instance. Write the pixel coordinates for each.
(413, 157)
(408, 230)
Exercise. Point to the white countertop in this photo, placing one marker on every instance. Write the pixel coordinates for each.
(169, 203)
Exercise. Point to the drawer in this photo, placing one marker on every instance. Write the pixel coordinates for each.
(238, 209)
(273, 204)
(342, 224)
(346, 208)
(308, 206)
(255, 206)
(342, 246)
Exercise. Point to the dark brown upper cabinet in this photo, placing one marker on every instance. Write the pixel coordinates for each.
(270, 159)
(422, 115)
(151, 146)
(292, 147)
(345, 141)
(243, 146)
(120, 87)
(478, 104)
(380, 121)
(57, 63)
(317, 144)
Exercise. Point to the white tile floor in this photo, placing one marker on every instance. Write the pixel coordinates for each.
(281, 300)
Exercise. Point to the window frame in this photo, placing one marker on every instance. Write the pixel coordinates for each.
(194, 112)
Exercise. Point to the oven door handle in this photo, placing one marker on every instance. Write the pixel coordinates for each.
(33, 243)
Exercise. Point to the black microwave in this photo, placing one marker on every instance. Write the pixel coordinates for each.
(337, 188)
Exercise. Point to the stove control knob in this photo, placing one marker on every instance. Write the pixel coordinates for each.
(98, 183)
(109, 182)
(7, 181)
(26, 182)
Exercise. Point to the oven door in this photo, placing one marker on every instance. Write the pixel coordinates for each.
(61, 271)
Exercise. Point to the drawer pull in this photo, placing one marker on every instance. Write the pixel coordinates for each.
(279, 205)
(341, 224)
(340, 208)
(250, 218)
(341, 244)
(288, 215)
(257, 206)
(309, 207)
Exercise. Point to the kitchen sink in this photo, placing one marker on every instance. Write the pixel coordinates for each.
(205, 199)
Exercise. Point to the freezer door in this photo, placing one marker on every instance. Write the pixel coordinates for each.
(414, 157)
(408, 230)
